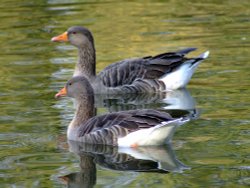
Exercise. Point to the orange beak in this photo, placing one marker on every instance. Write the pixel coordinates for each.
(61, 93)
(61, 38)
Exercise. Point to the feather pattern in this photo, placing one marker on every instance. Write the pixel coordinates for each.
(106, 129)
(127, 71)
(131, 120)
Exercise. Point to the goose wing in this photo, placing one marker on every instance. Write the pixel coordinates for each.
(151, 67)
(107, 128)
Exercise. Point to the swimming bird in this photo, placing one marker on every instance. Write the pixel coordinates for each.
(125, 128)
(167, 71)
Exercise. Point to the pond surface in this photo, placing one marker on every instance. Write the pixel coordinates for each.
(210, 151)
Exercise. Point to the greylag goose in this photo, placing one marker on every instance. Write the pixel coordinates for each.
(167, 71)
(126, 128)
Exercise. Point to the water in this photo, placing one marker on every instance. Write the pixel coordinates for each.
(214, 148)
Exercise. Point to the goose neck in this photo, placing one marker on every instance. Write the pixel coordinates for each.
(86, 62)
(84, 111)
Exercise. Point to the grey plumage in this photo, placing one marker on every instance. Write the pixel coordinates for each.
(106, 129)
(127, 71)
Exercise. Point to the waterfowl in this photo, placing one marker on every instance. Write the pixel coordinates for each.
(167, 71)
(126, 128)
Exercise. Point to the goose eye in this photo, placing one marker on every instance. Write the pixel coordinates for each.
(74, 32)
(70, 84)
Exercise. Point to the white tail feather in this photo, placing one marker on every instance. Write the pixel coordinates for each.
(180, 77)
(204, 55)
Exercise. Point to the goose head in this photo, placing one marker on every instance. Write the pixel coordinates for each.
(78, 36)
(77, 88)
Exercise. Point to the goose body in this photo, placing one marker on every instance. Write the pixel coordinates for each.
(167, 71)
(126, 128)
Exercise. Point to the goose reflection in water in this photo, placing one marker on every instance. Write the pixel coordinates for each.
(177, 102)
(154, 159)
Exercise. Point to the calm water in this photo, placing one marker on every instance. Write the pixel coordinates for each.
(211, 151)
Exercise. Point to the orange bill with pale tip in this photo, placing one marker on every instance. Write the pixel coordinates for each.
(61, 38)
(61, 93)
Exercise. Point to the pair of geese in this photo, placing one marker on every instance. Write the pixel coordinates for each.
(167, 71)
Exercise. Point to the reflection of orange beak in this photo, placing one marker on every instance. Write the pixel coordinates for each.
(61, 93)
(61, 38)
(65, 179)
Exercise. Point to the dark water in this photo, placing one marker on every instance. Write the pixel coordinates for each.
(213, 150)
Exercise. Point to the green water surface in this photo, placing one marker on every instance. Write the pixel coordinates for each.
(33, 146)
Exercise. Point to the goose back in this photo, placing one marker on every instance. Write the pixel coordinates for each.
(151, 67)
